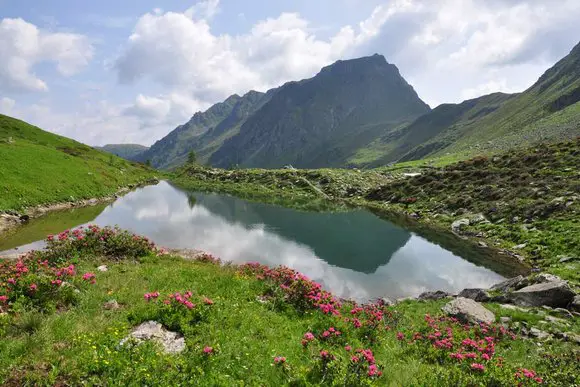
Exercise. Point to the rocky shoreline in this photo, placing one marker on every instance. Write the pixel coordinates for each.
(10, 220)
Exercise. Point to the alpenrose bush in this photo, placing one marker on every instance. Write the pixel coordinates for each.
(180, 312)
(32, 283)
(94, 241)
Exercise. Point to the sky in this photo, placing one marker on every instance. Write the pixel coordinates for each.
(130, 71)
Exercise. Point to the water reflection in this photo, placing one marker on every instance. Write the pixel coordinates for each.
(354, 254)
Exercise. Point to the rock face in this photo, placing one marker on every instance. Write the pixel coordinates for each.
(171, 342)
(508, 284)
(467, 310)
(554, 294)
(476, 294)
(436, 295)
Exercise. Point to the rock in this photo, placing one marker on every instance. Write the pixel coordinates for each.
(555, 320)
(538, 334)
(111, 305)
(546, 277)
(385, 301)
(436, 295)
(102, 268)
(479, 218)
(24, 218)
(564, 312)
(567, 259)
(467, 310)
(505, 320)
(414, 215)
(459, 224)
(475, 294)
(555, 294)
(519, 247)
(481, 244)
(172, 342)
(575, 304)
(508, 284)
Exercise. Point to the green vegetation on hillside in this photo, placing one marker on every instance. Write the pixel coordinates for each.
(37, 167)
(548, 111)
(62, 322)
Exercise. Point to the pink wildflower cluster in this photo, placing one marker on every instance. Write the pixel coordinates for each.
(279, 360)
(151, 296)
(331, 332)
(208, 350)
(298, 289)
(307, 338)
(90, 277)
(326, 356)
(369, 316)
(182, 299)
(366, 358)
(523, 374)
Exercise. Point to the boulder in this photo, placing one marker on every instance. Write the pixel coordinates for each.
(478, 218)
(172, 342)
(436, 295)
(538, 334)
(476, 294)
(508, 284)
(546, 277)
(554, 294)
(467, 310)
(459, 224)
(102, 268)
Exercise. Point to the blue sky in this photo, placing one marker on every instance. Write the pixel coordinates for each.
(130, 71)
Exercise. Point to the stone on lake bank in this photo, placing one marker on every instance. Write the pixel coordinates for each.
(467, 310)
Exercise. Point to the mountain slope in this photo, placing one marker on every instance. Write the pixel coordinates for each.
(548, 111)
(205, 131)
(449, 118)
(323, 120)
(124, 151)
(37, 167)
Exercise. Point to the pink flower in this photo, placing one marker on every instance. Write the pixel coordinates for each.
(207, 301)
(309, 336)
(485, 356)
(11, 281)
(400, 336)
(3, 299)
(477, 367)
(208, 350)
(56, 282)
(348, 348)
(33, 287)
(373, 370)
(189, 304)
(325, 334)
(279, 360)
(354, 359)
(88, 276)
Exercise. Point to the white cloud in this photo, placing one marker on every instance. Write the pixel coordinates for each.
(23, 45)
(6, 105)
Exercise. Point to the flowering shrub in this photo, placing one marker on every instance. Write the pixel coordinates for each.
(92, 240)
(178, 311)
(34, 283)
(294, 288)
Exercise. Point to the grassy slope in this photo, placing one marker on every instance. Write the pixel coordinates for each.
(37, 167)
(80, 344)
(529, 118)
(540, 186)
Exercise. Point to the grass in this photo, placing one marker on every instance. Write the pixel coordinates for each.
(38, 168)
(250, 322)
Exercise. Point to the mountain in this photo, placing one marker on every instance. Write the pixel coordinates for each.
(125, 151)
(322, 121)
(547, 111)
(407, 142)
(38, 167)
(205, 131)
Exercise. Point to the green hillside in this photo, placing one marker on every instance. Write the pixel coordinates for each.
(547, 111)
(125, 151)
(37, 167)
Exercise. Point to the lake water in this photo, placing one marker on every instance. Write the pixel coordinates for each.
(354, 254)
